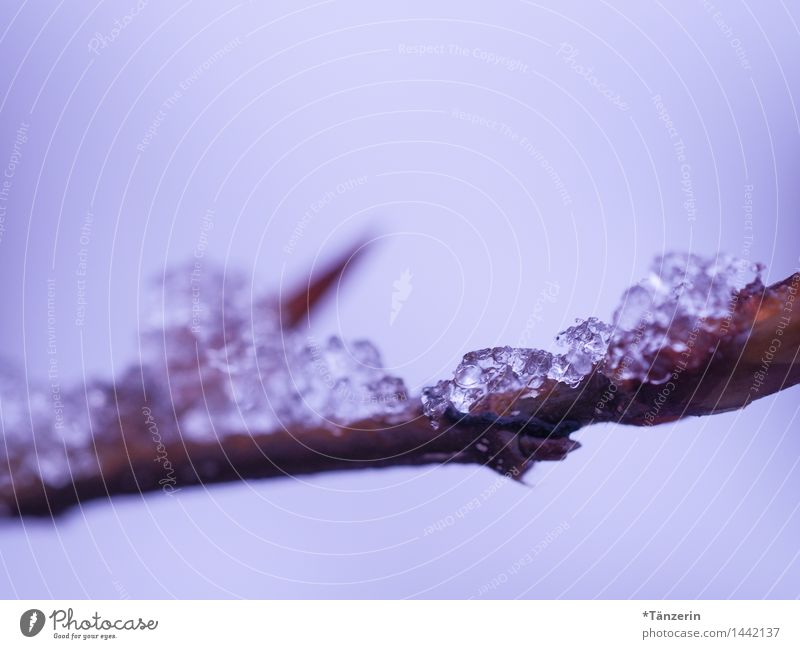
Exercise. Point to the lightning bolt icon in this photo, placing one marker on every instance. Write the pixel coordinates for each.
(32, 621)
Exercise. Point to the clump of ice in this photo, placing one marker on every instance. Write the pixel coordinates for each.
(44, 418)
(586, 344)
(522, 372)
(290, 380)
(678, 311)
(674, 315)
(232, 367)
(500, 369)
(217, 361)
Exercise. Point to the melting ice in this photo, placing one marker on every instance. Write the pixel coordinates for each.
(682, 293)
(685, 299)
(220, 360)
(258, 376)
(224, 364)
(509, 370)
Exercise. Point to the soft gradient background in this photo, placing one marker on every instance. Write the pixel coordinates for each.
(528, 148)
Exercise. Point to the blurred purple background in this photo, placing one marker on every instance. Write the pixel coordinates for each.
(492, 150)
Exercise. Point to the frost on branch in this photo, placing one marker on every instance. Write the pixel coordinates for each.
(689, 313)
(523, 372)
(217, 365)
(678, 313)
(254, 375)
(228, 388)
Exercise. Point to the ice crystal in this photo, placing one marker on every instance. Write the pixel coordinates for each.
(680, 309)
(586, 344)
(231, 366)
(518, 372)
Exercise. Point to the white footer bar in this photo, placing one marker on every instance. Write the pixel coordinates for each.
(373, 624)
